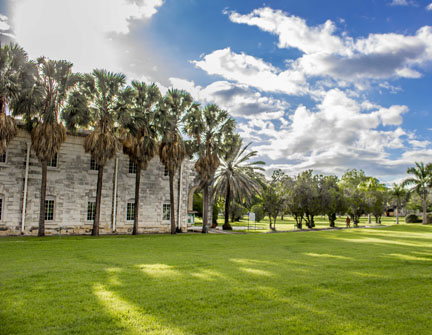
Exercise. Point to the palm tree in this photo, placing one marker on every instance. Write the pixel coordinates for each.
(172, 150)
(17, 75)
(41, 109)
(236, 178)
(421, 181)
(208, 128)
(398, 193)
(97, 103)
(140, 141)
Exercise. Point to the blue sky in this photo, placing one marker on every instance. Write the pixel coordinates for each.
(323, 85)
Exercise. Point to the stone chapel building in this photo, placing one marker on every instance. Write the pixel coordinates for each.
(71, 192)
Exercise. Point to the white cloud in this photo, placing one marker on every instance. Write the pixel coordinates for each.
(4, 25)
(399, 3)
(252, 71)
(377, 56)
(81, 31)
(239, 100)
(429, 7)
(341, 133)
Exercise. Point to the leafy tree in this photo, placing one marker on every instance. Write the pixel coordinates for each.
(420, 181)
(97, 103)
(398, 196)
(173, 150)
(296, 195)
(41, 108)
(236, 178)
(356, 197)
(274, 197)
(17, 77)
(333, 201)
(208, 128)
(377, 195)
(137, 117)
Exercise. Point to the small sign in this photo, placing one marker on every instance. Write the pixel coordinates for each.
(252, 217)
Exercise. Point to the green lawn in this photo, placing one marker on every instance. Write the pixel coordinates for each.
(288, 222)
(358, 281)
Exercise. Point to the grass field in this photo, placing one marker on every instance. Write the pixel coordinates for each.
(358, 281)
(288, 222)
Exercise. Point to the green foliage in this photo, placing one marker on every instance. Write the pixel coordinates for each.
(198, 204)
(274, 197)
(237, 211)
(258, 209)
(412, 218)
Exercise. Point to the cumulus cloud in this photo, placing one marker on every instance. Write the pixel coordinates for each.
(340, 133)
(403, 3)
(84, 32)
(337, 55)
(252, 71)
(240, 100)
(429, 7)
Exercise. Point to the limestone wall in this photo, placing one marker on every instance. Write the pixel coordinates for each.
(72, 185)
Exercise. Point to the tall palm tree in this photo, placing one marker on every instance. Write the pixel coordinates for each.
(41, 109)
(420, 182)
(236, 178)
(399, 194)
(17, 75)
(97, 103)
(140, 141)
(172, 149)
(208, 127)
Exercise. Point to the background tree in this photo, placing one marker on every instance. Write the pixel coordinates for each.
(137, 118)
(420, 181)
(355, 195)
(398, 195)
(172, 150)
(97, 103)
(377, 195)
(274, 197)
(17, 77)
(208, 128)
(333, 201)
(236, 178)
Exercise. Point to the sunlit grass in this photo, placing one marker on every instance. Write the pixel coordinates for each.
(357, 281)
(287, 223)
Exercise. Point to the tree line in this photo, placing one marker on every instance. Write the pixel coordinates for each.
(308, 195)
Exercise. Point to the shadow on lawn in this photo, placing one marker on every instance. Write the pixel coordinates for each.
(266, 295)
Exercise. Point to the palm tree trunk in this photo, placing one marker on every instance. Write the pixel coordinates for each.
(425, 221)
(137, 196)
(95, 230)
(226, 225)
(41, 230)
(171, 185)
(397, 215)
(205, 208)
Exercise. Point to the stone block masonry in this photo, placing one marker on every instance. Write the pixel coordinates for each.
(72, 186)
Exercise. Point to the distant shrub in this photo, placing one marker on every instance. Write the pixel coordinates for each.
(412, 218)
(259, 212)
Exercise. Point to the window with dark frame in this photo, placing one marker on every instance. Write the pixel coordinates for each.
(130, 213)
(91, 210)
(1, 208)
(53, 161)
(93, 165)
(166, 212)
(132, 166)
(3, 157)
(49, 210)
